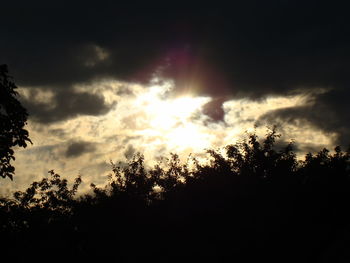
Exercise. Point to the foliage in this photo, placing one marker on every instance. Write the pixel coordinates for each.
(250, 202)
(50, 193)
(254, 158)
(13, 117)
(44, 201)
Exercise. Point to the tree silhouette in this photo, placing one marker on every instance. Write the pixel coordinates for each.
(248, 203)
(13, 117)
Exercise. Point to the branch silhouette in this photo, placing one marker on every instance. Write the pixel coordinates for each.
(13, 118)
(251, 202)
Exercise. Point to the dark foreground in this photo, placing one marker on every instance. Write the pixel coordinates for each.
(253, 204)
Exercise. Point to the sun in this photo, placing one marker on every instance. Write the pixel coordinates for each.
(174, 121)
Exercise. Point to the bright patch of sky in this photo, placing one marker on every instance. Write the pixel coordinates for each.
(147, 120)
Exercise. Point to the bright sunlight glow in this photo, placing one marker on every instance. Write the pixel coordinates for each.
(173, 119)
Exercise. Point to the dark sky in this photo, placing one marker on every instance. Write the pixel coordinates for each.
(247, 49)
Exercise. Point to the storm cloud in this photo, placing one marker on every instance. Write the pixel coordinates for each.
(65, 104)
(77, 148)
(248, 49)
(329, 112)
(248, 44)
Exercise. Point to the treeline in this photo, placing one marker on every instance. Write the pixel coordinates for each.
(250, 203)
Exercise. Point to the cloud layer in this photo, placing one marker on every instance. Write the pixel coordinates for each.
(148, 119)
(80, 64)
(247, 49)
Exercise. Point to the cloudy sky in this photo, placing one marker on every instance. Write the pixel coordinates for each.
(104, 80)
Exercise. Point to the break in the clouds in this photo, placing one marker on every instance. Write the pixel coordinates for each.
(247, 49)
(81, 68)
(150, 120)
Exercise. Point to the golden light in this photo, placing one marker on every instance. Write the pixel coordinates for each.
(172, 120)
(189, 136)
(153, 123)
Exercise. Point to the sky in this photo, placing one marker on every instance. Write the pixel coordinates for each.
(103, 80)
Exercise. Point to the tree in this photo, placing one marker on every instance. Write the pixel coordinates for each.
(13, 118)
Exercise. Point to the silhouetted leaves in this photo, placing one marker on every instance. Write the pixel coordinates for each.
(247, 202)
(13, 117)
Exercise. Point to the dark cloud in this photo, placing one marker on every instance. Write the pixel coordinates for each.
(129, 152)
(77, 148)
(250, 45)
(214, 109)
(246, 49)
(329, 112)
(65, 104)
